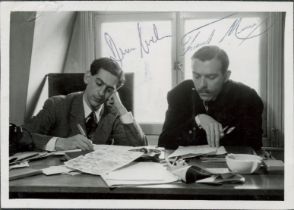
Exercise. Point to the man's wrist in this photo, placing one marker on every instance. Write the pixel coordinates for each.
(122, 110)
(58, 145)
(50, 146)
(127, 118)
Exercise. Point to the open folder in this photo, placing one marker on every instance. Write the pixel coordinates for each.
(139, 173)
(193, 151)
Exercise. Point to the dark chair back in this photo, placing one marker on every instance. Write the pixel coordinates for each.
(65, 83)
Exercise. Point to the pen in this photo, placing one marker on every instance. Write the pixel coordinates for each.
(81, 130)
(228, 130)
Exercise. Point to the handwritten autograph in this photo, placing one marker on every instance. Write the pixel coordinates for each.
(118, 54)
(145, 44)
(190, 40)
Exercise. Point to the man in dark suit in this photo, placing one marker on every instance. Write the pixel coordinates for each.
(77, 120)
(211, 108)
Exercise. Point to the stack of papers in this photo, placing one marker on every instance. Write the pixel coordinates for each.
(139, 173)
(103, 159)
(193, 151)
(26, 156)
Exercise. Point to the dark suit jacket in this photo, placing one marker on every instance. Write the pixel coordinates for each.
(236, 105)
(61, 114)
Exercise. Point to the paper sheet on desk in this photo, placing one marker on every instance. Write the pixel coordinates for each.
(103, 159)
(111, 148)
(192, 151)
(19, 165)
(26, 156)
(56, 170)
(139, 173)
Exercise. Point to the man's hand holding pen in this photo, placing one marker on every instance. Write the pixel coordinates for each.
(213, 129)
(74, 142)
(79, 141)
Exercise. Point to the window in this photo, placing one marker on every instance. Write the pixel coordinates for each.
(145, 48)
(240, 35)
(153, 44)
(138, 49)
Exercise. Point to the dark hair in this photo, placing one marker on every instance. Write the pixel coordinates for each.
(210, 52)
(109, 65)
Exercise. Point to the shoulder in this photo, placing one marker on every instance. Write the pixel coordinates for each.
(240, 89)
(181, 91)
(60, 100)
(242, 92)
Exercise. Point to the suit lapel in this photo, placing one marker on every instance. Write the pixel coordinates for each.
(77, 114)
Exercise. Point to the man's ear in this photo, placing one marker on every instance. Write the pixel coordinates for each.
(87, 77)
(228, 74)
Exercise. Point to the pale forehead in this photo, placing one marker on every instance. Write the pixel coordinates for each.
(206, 67)
(108, 78)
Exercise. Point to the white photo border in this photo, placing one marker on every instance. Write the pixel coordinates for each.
(8, 7)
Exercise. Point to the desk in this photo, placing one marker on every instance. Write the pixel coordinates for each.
(259, 186)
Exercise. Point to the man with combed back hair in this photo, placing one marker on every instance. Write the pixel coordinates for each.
(211, 108)
(61, 122)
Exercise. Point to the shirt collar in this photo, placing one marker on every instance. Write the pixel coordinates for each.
(88, 110)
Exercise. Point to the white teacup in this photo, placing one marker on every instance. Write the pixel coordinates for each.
(243, 163)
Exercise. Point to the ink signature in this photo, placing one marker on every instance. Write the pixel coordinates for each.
(239, 32)
(118, 54)
(146, 44)
(191, 40)
(197, 37)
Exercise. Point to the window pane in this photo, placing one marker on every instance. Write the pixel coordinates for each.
(145, 49)
(240, 37)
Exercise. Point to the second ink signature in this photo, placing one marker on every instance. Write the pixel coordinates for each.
(192, 39)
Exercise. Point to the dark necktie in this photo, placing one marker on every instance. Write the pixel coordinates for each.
(91, 125)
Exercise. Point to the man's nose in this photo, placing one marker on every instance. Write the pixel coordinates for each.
(202, 83)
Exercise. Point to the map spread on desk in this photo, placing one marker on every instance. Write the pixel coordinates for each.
(103, 159)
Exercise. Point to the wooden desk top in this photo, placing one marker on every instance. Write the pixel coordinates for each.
(259, 184)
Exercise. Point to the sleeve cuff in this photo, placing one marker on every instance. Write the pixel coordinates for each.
(127, 118)
(197, 121)
(50, 146)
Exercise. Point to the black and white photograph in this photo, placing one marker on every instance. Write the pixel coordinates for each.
(147, 104)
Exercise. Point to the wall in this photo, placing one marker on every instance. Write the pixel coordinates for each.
(81, 51)
(52, 35)
(21, 42)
